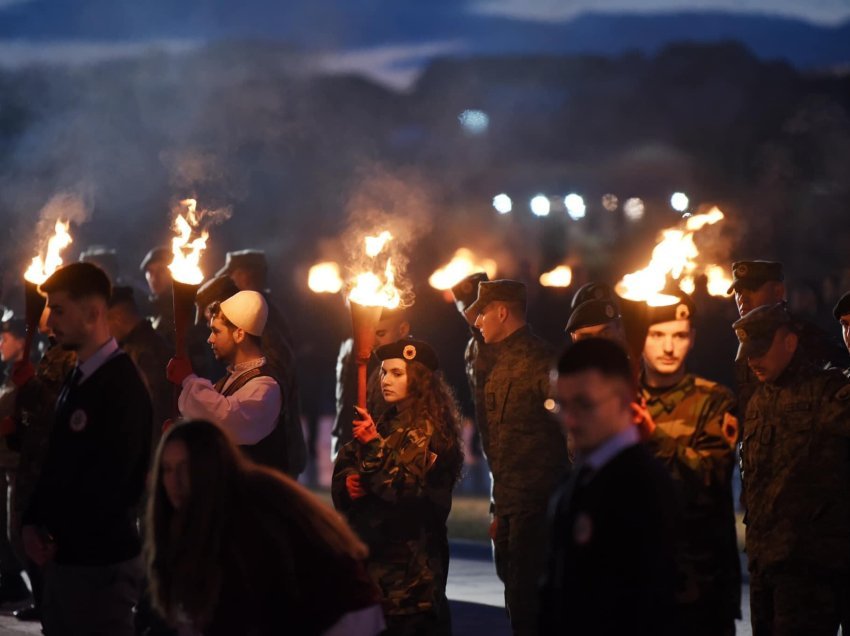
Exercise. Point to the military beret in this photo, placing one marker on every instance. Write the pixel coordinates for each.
(753, 274)
(122, 294)
(466, 291)
(410, 349)
(591, 313)
(495, 290)
(243, 259)
(593, 291)
(756, 329)
(15, 326)
(156, 255)
(842, 307)
(218, 289)
(682, 309)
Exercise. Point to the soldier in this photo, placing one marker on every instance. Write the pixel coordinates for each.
(247, 403)
(392, 327)
(795, 468)
(693, 433)
(394, 482)
(527, 452)
(146, 349)
(757, 283)
(154, 266)
(632, 322)
(841, 311)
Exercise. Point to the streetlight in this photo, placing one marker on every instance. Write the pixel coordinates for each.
(502, 203)
(540, 205)
(679, 201)
(575, 206)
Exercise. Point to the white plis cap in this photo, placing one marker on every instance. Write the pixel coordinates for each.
(247, 310)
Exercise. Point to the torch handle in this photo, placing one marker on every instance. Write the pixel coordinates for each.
(362, 379)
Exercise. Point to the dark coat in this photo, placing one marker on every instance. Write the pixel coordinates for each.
(612, 564)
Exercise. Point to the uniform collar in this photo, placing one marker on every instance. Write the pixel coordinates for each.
(665, 397)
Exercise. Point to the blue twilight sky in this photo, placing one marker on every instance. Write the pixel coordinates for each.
(392, 39)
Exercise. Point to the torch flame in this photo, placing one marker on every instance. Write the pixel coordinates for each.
(719, 281)
(324, 278)
(561, 276)
(185, 266)
(674, 258)
(375, 244)
(463, 263)
(42, 268)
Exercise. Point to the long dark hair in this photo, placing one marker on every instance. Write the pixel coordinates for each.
(432, 399)
(183, 548)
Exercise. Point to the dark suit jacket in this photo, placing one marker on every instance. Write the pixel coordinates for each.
(611, 567)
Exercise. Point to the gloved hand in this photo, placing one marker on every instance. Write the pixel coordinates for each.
(354, 487)
(179, 368)
(364, 429)
(22, 372)
(643, 420)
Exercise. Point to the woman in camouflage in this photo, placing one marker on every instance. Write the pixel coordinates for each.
(394, 482)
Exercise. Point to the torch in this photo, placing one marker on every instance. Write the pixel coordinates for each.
(186, 274)
(369, 296)
(40, 269)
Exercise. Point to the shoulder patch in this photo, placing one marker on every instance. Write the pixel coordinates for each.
(703, 383)
(730, 429)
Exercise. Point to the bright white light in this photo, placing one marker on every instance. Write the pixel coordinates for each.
(502, 203)
(575, 206)
(540, 205)
(474, 122)
(633, 209)
(679, 201)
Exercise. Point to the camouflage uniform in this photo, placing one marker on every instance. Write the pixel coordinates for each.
(528, 458)
(403, 517)
(695, 439)
(796, 468)
(478, 359)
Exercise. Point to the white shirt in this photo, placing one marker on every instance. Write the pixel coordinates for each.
(610, 448)
(249, 415)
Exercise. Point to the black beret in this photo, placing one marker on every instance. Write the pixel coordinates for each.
(410, 349)
(243, 259)
(593, 291)
(753, 274)
(156, 255)
(591, 313)
(842, 307)
(756, 329)
(15, 326)
(496, 290)
(466, 291)
(682, 309)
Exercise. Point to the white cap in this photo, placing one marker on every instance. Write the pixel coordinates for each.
(247, 310)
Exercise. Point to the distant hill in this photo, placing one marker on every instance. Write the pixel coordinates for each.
(343, 25)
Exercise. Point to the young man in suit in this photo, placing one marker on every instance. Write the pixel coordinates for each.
(611, 566)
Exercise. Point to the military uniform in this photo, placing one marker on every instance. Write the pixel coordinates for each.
(695, 438)
(528, 457)
(403, 517)
(795, 466)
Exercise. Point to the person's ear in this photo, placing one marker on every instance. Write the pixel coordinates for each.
(693, 339)
(791, 342)
(404, 329)
(503, 312)
(239, 335)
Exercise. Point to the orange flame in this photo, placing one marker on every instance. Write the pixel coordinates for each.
(185, 265)
(674, 258)
(561, 276)
(42, 267)
(370, 289)
(324, 278)
(463, 263)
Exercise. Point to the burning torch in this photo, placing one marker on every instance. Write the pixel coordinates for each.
(369, 296)
(41, 268)
(186, 274)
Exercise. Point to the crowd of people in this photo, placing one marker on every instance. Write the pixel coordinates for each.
(153, 491)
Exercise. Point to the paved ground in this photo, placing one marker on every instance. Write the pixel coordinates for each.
(476, 596)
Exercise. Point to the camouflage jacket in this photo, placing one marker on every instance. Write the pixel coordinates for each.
(525, 447)
(695, 438)
(403, 516)
(796, 470)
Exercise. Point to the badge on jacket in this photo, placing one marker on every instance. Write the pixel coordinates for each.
(79, 420)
